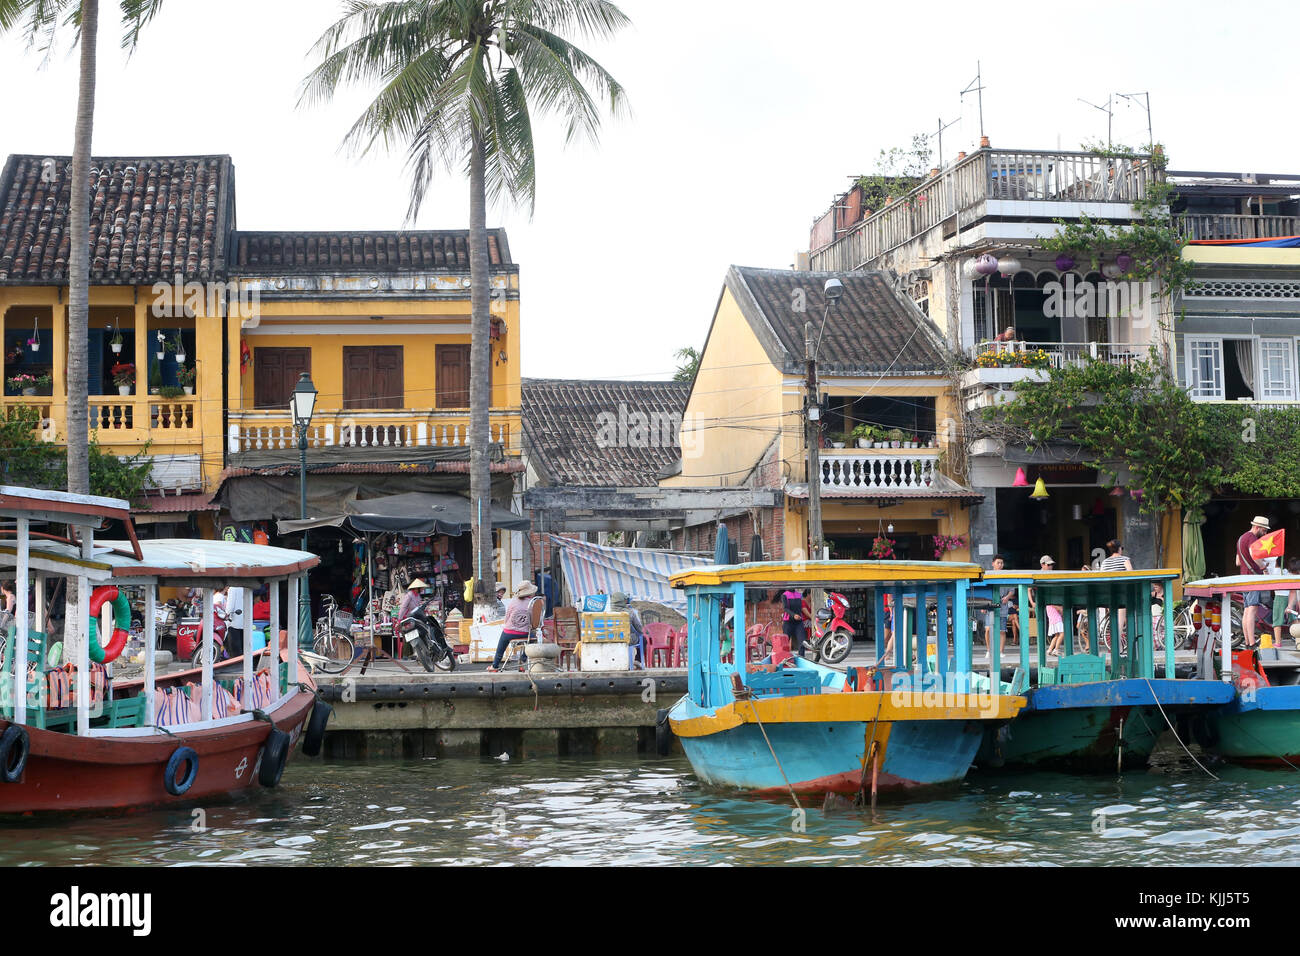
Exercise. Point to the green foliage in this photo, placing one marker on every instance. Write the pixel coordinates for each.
(1258, 448)
(30, 461)
(1152, 240)
(898, 171)
(115, 477)
(690, 366)
(1135, 415)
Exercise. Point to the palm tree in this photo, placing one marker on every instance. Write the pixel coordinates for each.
(41, 20)
(459, 80)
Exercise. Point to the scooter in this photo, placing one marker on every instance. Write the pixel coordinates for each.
(428, 640)
(832, 637)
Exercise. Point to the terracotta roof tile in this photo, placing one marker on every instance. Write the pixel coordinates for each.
(441, 250)
(150, 217)
(567, 432)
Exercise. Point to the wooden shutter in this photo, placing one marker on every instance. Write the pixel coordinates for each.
(373, 376)
(452, 382)
(275, 373)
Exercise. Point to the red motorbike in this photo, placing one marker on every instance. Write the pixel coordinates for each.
(832, 636)
(189, 638)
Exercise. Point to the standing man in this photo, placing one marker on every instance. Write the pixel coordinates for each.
(1248, 565)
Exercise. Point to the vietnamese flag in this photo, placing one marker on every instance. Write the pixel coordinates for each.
(1269, 546)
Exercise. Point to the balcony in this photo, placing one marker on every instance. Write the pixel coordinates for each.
(848, 471)
(403, 428)
(991, 384)
(125, 419)
(993, 182)
(1198, 227)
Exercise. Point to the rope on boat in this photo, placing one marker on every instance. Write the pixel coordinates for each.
(1147, 680)
(759, 720)
(871, 748)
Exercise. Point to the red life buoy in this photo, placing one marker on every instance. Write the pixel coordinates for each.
(121, 616)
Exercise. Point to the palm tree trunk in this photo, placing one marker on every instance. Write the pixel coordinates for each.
(79, 259)
(480, 480)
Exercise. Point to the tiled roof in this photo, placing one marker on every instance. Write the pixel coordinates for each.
(508, 467)
(150, 217)
(589, 433)
(175, 504)
(872, 329)
(287, 252)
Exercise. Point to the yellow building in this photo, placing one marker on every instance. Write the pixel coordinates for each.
(880, 367)
(380, 321)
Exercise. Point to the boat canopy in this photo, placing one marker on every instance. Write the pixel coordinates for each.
(1238, 583)
(805, 574)
(174, 562)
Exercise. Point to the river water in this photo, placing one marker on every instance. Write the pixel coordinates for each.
(650, 810)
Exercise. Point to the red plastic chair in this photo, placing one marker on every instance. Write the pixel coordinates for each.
(658, 641)
(757, 645)
(679, 647)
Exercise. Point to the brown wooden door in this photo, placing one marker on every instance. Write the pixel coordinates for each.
(372, 376)
(275, 373)
(452, 383)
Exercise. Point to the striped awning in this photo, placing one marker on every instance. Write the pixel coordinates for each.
(641, 573)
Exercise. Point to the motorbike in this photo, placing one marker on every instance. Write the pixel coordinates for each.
(428, 640)
(832, 635)
(188, 631)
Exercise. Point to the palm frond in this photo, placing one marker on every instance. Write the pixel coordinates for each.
(136, 14)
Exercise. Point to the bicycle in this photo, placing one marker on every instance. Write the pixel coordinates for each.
(331, 649)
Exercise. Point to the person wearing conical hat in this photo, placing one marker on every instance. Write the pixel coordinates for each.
(412, 600)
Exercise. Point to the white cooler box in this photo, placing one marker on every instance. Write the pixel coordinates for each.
(607, 656)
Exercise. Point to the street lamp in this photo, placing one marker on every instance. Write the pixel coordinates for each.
(301, 405)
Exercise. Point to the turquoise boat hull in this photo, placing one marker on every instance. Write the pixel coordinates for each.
(1258, 729)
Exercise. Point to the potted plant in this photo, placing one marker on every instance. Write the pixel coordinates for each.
(864, 434)
(115, 343)
(837, 439)
(160, 351)
(170, 391)
(27, 383)
(943, 543)
(177, 347)
(187, 378)
(123, 377)
(155, 378)
(882, 548)
(895, 436)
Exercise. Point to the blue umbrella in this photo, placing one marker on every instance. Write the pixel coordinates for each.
(721, 547)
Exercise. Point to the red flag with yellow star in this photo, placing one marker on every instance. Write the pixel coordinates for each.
(1269, 546)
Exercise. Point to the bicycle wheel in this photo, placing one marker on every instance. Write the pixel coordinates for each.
(1183, 627)
(337, 650)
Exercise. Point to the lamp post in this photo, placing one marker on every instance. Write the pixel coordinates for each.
(301, 406)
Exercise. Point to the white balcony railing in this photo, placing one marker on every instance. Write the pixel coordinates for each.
(885, 469)
(1062, 354)
(273, 430)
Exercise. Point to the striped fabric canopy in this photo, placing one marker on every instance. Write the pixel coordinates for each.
(641, 573)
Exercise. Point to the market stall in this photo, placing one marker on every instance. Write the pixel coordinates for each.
(404, 537)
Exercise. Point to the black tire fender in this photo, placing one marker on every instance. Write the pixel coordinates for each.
(663, 734)
(314, 735)
(181, 757)
(274, 755)
(15, 745)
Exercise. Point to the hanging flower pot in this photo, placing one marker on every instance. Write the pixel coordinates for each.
(159, 354)
(115, 346)
(180, 358)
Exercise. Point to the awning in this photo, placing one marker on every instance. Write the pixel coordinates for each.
(414, 513)
(162, 509)
(640, 573)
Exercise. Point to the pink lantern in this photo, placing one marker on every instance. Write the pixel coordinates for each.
(1020, 481)
(986, 265)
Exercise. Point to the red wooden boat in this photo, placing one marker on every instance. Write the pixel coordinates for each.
(70, 739)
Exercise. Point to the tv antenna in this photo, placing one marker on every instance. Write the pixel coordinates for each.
(943, 126)
(976, 86)
(1151, 140)
(1108, 110)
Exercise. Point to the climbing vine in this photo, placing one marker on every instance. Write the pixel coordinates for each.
(27, 459)
(898, 171)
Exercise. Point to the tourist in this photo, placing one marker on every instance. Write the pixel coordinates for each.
(794, 619)
(1010, 608)
(1248, 565)
(1117, 560)
(234, 640)
(1055, 622)
(523, 615)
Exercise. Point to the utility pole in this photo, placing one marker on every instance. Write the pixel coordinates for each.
(812, 433)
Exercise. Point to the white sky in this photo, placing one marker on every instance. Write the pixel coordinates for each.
(748, 116)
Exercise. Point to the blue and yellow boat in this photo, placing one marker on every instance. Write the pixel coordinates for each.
(1093, 710)
(915, 721)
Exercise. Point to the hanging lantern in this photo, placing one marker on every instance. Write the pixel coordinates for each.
(1111, 271)
(1064, 263)
(1008, 266)
(1040, 490)
(1124, 261)
(1021, 481)
(986, 265)
(968, 269)
(1117, 492)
